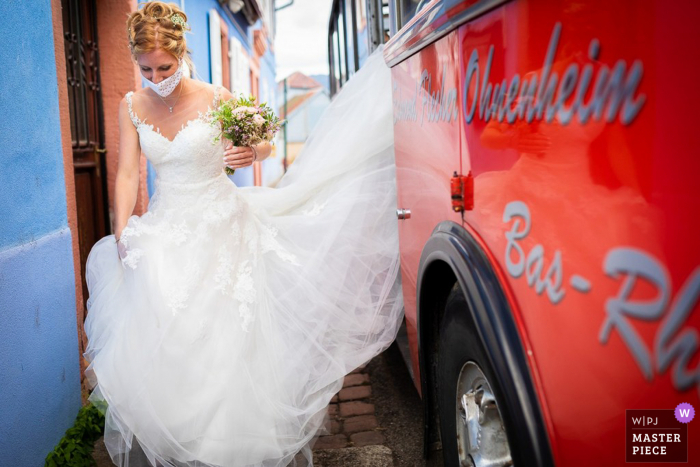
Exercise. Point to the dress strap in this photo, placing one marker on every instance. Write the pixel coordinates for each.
(134, 119)
(217, 90)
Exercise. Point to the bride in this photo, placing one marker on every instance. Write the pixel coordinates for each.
(222, 321)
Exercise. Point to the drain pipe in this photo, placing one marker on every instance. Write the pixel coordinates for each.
(284, 161)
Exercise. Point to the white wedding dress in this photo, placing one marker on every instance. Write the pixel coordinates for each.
(229, 325)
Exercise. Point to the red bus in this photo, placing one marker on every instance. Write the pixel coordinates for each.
(547, 203)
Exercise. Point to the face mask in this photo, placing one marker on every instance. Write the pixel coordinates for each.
(165, 87)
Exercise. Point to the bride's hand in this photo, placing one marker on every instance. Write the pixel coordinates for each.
(236, 157)
(121, 250)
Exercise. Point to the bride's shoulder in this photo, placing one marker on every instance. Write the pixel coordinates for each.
(133, 97)
(222, 94)
(213, 88)
(218, 92)
(209, 88)
(127, 101)
(138, 94)
(225, 94)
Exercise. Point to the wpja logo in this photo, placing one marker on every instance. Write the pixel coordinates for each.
(658, 435)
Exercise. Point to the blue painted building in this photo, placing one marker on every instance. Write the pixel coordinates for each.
(39, 360)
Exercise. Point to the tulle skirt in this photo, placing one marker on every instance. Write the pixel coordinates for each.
(221, 337)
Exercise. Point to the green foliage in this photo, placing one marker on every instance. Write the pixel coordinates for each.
(75, 448)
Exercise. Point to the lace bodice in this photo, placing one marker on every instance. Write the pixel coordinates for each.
(191, 156)
(195, 205)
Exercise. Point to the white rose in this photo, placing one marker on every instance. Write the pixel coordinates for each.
(258, 119)
(241, 109)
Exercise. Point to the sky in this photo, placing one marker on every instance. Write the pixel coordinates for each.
(301, 42)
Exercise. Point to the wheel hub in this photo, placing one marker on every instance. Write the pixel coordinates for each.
(481, 436)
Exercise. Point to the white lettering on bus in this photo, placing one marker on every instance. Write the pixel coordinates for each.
(671, 345)
(539, 97)
(404, 109)
(441, 105)
(675, 345)
(533, 265)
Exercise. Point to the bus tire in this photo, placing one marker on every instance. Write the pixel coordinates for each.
(467, 392)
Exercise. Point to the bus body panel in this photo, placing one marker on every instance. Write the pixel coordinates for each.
(588, 203)
(425, 152)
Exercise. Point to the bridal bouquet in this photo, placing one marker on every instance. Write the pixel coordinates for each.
(245, 123)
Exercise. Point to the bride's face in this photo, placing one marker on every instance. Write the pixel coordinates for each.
(157, 65)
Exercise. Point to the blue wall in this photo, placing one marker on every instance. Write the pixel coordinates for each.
(39, 353)
(198, 39)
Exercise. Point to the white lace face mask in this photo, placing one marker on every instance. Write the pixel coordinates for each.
(165, 87)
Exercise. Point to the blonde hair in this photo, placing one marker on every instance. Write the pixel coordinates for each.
(151, 28)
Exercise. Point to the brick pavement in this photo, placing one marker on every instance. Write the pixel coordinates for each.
(351, 416)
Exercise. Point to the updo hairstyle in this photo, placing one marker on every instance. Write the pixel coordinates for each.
(151, 28)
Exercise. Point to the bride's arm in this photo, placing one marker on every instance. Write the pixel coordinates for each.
(127, 181)
(263, 149)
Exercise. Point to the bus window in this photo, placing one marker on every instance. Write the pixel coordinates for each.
(407, 9)
(356, 28)
(361, 31)
(386, 22)
(349, 26)
(342, 49)
(335, 62)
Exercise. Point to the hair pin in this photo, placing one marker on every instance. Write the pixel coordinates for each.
(178, 19)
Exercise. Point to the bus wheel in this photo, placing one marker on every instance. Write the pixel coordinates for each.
(471, 423)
